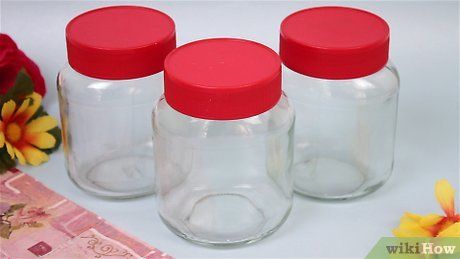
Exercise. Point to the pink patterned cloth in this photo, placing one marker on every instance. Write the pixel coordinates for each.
(37, 222)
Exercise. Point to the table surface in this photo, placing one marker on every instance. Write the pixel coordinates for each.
(424, 47)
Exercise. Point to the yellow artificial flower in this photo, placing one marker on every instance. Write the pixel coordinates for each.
(23, 138)
(433, 225)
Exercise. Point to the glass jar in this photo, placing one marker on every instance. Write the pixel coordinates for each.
(223, 137)
(345, 92)
(106, 94)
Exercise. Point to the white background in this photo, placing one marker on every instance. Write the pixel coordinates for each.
(424, 47)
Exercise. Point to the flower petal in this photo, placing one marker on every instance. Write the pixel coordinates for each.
(32, 109)
(9, 149)
(411, 229)
(34, 156)
(2, 139)
(410, 226)
(411, 217)
(41, 140)
(41, 124)
(430, 220)
(452, 231)
(8, 110)
(445, 194)
(20, 156)
(25, 104)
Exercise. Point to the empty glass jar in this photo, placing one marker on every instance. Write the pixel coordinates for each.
(345, 92)
(223, 142)
(106, 95)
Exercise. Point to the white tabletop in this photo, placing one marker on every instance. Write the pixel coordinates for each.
(424, 46)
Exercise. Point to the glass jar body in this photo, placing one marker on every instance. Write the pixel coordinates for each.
(107, 134)
(345, 132)
(224, 182)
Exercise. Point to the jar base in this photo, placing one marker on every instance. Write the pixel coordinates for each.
(222, 220)
(331, 179)
(118, 178)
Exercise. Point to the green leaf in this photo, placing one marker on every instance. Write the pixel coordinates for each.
(23, 86)
(5, 161)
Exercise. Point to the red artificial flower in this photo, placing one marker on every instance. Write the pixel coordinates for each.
(12, 60)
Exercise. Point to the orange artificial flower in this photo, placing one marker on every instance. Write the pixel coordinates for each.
(433, 225)
(23, 137)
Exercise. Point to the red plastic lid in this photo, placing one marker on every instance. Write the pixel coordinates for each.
(120, 42)
(334, 42)
(222, 79)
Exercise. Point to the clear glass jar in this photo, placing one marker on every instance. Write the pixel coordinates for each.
(106, 94)
(222, 165)
(346, 97)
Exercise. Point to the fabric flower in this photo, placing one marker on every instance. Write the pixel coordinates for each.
(23, 137)
(4, 207)
(28, 216)
(433, 225)
(12, 60)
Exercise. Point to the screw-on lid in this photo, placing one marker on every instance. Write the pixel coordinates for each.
(334, 42)
(120, 42)
(222, 79)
